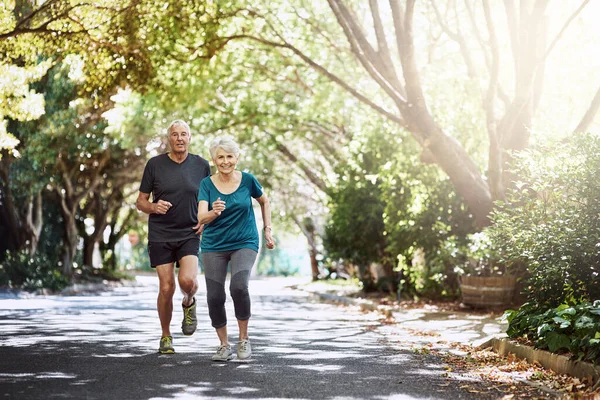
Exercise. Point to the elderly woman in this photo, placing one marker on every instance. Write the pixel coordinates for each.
(230, 237)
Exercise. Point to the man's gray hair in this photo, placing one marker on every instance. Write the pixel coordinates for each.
(227, 144)
(179, 122)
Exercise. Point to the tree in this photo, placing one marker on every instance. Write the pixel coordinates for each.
(71, 154)
(527, 30)
(21, 205)
(390, 46)
(93, 49)
(269, 107)
(107, 206)
(355, 232)
(17, 102)
(53, 30)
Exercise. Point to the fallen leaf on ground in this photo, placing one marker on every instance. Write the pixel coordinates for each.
(491, 366)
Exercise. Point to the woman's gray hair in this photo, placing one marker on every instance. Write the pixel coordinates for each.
(179, 122)
(227, 144)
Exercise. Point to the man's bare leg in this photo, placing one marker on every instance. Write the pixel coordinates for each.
(166, 290)
(188, 283)
(188, 278)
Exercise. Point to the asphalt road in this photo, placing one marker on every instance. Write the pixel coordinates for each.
(104, 346)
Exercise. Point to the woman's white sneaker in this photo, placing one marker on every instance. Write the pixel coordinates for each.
(244, 350)
(224, 353)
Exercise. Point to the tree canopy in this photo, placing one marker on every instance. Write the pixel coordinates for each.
(418, 106)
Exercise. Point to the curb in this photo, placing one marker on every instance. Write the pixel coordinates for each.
(555, 362)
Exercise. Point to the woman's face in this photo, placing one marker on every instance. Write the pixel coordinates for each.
(224, 161)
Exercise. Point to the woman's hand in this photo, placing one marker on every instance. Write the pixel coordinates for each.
(270, 242)
(218, 206)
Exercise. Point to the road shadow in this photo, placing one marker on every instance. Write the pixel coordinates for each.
(104, 347)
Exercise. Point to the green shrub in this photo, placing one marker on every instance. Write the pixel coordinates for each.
(23, 271)
(424, 215)
(478, 257)
(573, 329)
(355, 232)
(551, 223)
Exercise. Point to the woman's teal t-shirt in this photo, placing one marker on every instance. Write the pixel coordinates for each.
(235, 228)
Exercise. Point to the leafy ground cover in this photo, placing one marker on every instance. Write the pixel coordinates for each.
(509, 372)
(512, 378)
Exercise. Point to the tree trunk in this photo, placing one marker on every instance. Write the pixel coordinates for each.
(12, 222)
(314, 263)
(464, 175)
(33, 223)
(308, 229)
(388, 268)
(107, 249)
(71, 237)
(88, 251)
(109, 258)
(24, 226)
(591, 112)
(70, 245)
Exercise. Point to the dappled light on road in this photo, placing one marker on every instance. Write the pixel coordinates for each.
(105, 346)
(443, 328)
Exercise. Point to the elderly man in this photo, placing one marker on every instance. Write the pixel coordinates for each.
(173, 179)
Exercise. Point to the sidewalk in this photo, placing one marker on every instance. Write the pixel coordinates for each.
(464, 327)
(442, 330)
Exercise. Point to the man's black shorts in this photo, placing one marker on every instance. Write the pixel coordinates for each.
(167, 252)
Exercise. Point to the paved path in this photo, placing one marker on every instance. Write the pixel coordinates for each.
(471, 327)
(103, 346)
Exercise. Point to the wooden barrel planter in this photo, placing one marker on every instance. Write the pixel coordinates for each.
(487, 292)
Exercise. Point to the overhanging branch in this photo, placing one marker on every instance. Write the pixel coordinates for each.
(327, 73)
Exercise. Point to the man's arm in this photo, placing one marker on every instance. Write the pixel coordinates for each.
(144, 205)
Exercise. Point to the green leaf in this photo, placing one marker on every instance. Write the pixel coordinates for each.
(542, 329)
(584, 322)
(564, 323)
(565, 311)
(557, 341)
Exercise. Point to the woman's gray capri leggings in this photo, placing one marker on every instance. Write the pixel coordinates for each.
(215, 273)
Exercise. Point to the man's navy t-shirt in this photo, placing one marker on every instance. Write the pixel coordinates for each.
(179, 185)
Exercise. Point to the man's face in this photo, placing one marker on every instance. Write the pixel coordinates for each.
(134, 238)
(179, 139)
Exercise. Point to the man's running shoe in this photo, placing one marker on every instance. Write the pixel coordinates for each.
(166, 345)
(190, 322)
